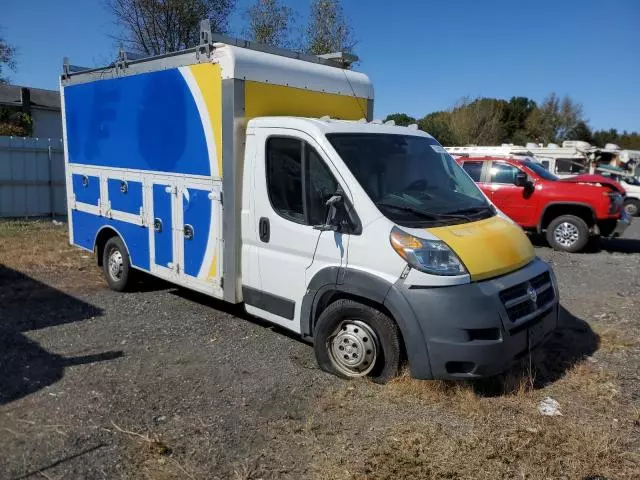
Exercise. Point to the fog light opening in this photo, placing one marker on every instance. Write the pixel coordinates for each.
(460, 367)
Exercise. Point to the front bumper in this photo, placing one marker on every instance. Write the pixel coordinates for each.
(478, 329)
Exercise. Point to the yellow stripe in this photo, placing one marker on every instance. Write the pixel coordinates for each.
(209, 82)
(213, 268)
(489, 247)
(264, 99)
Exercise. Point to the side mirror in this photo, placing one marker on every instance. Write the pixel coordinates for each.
(522, 180)
(335, 213)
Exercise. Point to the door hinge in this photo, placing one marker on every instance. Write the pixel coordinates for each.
(213, 196)
(221, 282)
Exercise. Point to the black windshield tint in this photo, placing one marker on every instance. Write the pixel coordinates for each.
(409, 171)
(539, 170)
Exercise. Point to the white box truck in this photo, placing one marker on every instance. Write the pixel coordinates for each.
(255, 176)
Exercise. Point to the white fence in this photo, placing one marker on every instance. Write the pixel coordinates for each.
(32, 181)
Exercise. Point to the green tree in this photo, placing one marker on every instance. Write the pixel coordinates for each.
(581, 132)
(478, 122)
(328, 30)
(554, 120)
(270, 23)
(154, 27)
(438, 125)
(514, 118)
(7, 58)
(401, 119)
(602, 137)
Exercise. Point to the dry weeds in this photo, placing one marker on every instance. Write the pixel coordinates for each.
(40, 249)
(500, 436)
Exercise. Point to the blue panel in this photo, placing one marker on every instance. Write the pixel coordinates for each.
(147, 121)
(129, 201)
(164, 238)
(136, 238)
(197, 213)
(86, 188)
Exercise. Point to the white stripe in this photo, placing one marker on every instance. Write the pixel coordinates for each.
(213, 163)
(204, 118)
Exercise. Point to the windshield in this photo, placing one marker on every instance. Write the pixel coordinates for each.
(411, 179)
(539, 170)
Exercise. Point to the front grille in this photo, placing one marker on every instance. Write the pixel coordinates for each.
(520, 300)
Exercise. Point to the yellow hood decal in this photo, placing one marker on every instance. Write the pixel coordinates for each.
(489, 247)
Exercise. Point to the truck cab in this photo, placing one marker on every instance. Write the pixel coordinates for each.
(568, 211)
(359, 234)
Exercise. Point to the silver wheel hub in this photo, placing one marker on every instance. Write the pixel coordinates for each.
(116, 264)
(353, 348)
(566, 234)
(631, 209)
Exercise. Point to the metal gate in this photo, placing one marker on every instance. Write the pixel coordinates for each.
(32, 179)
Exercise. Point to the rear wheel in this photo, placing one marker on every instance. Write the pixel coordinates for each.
(632, 206)
(354, 340)
(116, 264)
(568, 233)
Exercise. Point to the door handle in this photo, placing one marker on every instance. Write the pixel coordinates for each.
(157, 225)
(264, 230)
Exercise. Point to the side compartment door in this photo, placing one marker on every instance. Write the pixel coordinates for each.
(200, 235)
(163, 251)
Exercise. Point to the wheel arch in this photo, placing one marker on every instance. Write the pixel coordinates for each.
(556, 209)
(324, 289)
(103, 235)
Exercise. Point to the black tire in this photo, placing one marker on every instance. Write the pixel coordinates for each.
(574, 224)
(331, 329)
(120, 281)
(632, 207)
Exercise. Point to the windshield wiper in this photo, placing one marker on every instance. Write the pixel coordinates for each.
(422, 213)
(472, 210)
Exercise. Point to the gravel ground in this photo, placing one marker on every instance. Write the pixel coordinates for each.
(165, 383)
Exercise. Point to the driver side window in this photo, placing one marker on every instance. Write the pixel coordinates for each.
(298, 181)
(503, 173)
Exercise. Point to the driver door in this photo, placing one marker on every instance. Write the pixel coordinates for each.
(293, 181)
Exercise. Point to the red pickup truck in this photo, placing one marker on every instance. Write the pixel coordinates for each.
(568, 210)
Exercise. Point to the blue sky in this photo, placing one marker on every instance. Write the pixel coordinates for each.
(421, 55)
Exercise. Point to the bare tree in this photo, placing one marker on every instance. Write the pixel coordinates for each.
(477, 122)
(7, 58)
(328, 30)
(270, 23)
(154, 27)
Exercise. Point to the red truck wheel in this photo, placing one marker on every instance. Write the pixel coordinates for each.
(568, 233)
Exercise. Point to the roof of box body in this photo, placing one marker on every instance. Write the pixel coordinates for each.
(244, 64)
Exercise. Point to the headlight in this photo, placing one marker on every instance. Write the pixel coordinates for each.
(430, 256)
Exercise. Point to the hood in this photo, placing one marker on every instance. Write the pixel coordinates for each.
(596, 179)
(488, 248)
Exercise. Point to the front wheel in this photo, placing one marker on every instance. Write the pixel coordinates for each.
(116, 265)
(632, 207)
(354, 340)
(568, 233)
